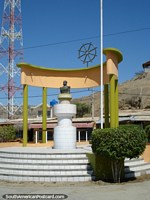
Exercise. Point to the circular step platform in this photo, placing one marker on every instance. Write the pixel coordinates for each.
(44, 164)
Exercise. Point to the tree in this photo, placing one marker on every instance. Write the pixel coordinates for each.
(118, 144)
(83, 109)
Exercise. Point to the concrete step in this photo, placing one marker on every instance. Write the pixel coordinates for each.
(72, 178)
(134, 161)
(27, 164)
(44, 160)
(45, 167)
(45, 172)
(136, 167)
(37, 155)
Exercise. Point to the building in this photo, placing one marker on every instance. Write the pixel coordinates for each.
(84, 126)
(146, 66)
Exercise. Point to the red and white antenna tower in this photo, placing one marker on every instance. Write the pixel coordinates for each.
(11, 52)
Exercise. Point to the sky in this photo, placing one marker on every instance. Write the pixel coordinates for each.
(54, 31)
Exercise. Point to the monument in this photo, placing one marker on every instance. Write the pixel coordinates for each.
(64, 132)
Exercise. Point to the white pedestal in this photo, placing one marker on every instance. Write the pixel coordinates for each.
(64, 132)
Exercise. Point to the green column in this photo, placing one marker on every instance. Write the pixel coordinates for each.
(44, 115)
(25, 114)
(112, 101)
(106, 104)
(116, 102)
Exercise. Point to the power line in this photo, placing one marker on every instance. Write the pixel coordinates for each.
(80, 91)
(86, 38)
(58, 43)
(128, 31)
(49, 95)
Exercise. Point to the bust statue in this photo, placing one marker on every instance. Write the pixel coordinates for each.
(65, 89)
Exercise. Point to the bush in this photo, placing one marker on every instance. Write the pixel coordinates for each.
(7, 133)
(117, 144)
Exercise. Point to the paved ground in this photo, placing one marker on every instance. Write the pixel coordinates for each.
(82, 191)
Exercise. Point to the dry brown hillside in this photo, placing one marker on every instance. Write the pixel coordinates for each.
(133, 94)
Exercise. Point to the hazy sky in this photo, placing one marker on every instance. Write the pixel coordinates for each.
(54, 30)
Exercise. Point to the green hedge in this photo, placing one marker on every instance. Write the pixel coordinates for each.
(119, 143)
(112, 145)
(7, 133)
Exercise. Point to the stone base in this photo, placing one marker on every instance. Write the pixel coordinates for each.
(64, 98)
(64, 137)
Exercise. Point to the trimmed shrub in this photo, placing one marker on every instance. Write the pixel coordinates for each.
(118, 144)
(7, 133)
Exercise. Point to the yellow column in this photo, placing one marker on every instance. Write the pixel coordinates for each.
(106, 105)
(25, 114)
(113, 57)
(112, 102)
(44, 115)
(116, 103)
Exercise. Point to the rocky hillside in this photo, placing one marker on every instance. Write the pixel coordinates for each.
(133, 94)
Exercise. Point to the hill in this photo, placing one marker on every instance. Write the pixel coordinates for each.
(133, 94)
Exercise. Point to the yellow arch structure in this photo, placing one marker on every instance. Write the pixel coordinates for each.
(53, 78)
(77, 78)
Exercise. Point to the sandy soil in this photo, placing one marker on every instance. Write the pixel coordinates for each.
(146, 154)
(48, 144)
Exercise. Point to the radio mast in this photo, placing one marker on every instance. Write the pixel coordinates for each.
(11, 52)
